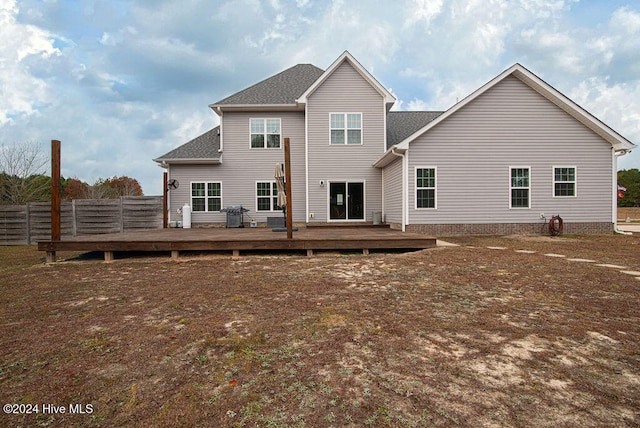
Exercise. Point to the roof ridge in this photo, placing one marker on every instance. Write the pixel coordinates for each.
(263, 88)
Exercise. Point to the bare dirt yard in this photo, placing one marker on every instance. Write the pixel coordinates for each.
(499, 331)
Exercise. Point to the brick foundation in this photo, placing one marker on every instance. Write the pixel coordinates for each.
(505, 229)
(474, 229)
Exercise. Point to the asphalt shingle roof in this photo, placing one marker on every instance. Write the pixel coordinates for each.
(282, 88)
(401, 124)
(205, 146)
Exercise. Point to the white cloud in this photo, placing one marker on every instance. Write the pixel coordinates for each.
(627, 20)
(618, 105)
(423, 11)
(21, 90)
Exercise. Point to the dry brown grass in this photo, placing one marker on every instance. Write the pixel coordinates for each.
(462, 336)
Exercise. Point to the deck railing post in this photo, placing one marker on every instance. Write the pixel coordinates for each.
(55, 196)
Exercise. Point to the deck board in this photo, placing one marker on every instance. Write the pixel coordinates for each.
(244, 239)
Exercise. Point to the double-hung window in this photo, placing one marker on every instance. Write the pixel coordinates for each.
(346, 128)
(425, 188)
(206, 196)
(265, 133)
(520, 187)
(267, 196)
(564, 181)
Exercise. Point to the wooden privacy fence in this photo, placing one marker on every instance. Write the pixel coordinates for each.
(28, 224)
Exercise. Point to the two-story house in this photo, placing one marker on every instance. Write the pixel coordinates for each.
(503, 160)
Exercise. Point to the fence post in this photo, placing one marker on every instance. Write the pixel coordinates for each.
(74, 231)
(121, 214)
(28, 223)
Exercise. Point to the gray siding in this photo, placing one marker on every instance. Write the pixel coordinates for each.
(393, 192)
(345, 91)
(511, 125)
(242, 166)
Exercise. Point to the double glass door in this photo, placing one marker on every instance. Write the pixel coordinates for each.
(346, 201)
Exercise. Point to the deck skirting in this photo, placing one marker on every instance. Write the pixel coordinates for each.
(248, 239)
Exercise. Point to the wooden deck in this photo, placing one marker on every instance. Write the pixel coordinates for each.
(242, 239)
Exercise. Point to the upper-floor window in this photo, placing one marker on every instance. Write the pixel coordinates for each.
(346, 128)
(206, 196)
(265, 133)
(519, 187)
(425, 188)
(564, 181)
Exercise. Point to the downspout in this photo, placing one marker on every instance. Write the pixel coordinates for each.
(221, 130)
(306, 165)
(614, 179)
(404, 187)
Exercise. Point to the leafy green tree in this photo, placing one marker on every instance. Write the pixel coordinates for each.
(630, 179)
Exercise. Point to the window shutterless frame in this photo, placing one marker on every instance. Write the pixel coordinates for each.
(426, 195)
(265, 133)
(206, 196)
(565, 181)
(519, 187)
(267, 196)
(345, 129)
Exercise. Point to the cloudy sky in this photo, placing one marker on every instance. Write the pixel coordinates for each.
(121, 82)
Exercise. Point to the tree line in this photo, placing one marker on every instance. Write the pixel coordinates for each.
(23, 179)
(629, 188)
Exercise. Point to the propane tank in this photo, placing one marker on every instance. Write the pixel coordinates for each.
(186, 217)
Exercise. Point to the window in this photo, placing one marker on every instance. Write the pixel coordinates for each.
(265, 133)
(564, 181)
(425, 188)
(346, 128)
(519, 187)
(267, 196)
(206, 197)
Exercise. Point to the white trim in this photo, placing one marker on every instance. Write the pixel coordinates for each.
(384, 122)
(405, 188)
(403, 155)
(219, 108)
(553, 181)
(306, 163)
(511, 168)
(346, 56)
(364, 201)
(265, 134)
(383, 204)
(190, 161)
(206, 196)
(346, 128)
(415, 188)
(271, 196)
(221, 151)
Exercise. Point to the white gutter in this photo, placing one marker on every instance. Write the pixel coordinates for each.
(405, 176)
(614, 179)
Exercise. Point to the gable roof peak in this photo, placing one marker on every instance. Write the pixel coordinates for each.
(389, 98)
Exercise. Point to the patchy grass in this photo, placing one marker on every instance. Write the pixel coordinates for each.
(459, 336)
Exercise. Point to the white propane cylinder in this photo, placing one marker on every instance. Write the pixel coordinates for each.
(186, 217)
